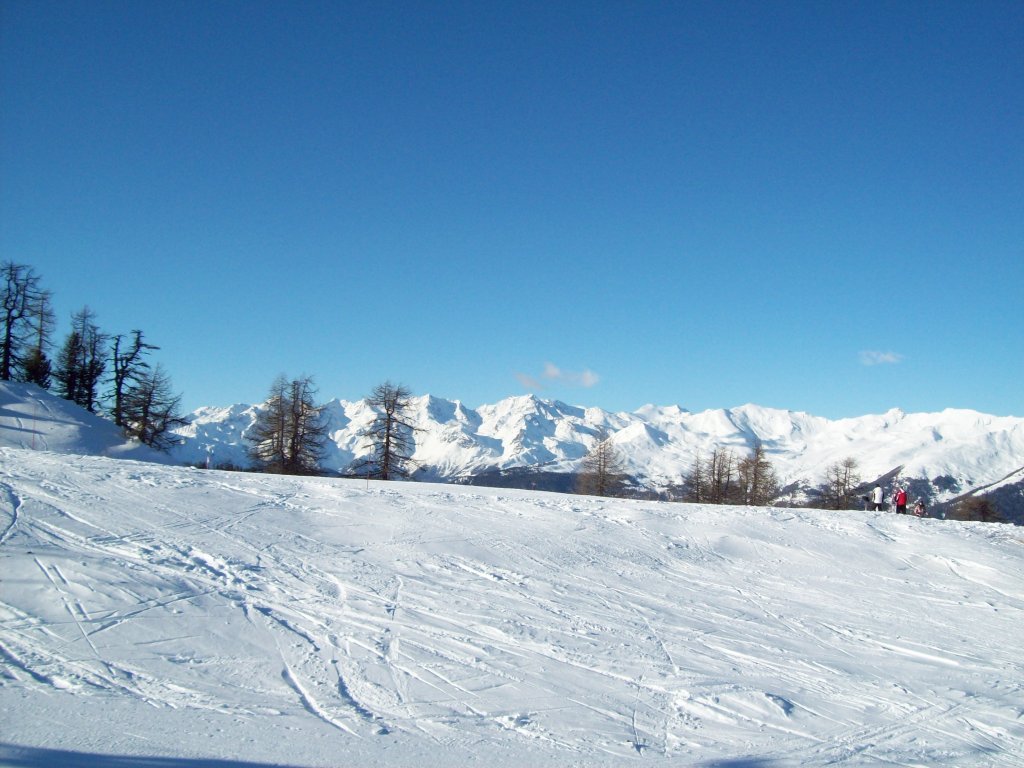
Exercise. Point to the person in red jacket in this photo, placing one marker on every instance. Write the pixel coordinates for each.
(901, 501)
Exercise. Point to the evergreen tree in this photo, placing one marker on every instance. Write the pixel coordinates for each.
(80, 364)
(37, 369)
(721, 473)
(290, 434)
(715, 479)
(695, 483)
(602, 471)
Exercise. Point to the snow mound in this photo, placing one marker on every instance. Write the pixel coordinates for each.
(32, 418)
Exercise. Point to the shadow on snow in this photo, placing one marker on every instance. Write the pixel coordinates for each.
(14, 756)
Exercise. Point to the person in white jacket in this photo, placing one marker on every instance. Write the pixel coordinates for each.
(876, 498)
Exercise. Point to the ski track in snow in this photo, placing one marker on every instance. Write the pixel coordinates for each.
(425, 618)
(14, 502)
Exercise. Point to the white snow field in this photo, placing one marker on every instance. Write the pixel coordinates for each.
(162, 616)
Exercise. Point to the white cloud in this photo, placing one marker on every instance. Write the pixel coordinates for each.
(874, 357)
(528, 382)
(553, 375)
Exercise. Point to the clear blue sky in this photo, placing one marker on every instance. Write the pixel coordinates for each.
(815, 205)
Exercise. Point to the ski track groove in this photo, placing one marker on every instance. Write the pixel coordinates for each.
(15, 501)
(310, 703)
(67, 605)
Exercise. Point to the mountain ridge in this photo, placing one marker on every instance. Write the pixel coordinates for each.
(527, 441)
(960, 448)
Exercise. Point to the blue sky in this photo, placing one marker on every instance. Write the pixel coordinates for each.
(813, 206)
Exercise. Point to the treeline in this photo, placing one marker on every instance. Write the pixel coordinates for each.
(721, 477)
(724, 477)
(107, 374)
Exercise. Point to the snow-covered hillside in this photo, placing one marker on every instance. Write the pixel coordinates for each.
(33, 418)
(965, 449)
(191, 616)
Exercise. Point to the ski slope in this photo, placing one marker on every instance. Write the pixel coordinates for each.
(187, 617)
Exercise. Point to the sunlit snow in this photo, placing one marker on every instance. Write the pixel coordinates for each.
(188, 617)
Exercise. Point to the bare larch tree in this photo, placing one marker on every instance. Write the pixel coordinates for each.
(602, 472)
(290, 433)
(389, 437)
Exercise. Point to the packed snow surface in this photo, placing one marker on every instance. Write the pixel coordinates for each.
(153, 615)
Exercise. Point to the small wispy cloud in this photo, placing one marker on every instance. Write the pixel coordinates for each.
(529, 382)
(553, 375)
(874, 357)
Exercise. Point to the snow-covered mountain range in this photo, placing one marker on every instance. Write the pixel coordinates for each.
(942, 455)
(949, 453)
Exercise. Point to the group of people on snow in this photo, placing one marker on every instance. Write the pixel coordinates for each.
(876, 501)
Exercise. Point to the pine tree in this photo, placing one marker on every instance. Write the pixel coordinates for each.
(130, 371)
(695, 483)
(80, 364)
(841, 480)
(37, 369)
(714, 480)
(721, 472)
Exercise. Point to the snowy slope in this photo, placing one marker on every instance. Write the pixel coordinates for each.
(659, 444)
(190, 616)
(33, 418)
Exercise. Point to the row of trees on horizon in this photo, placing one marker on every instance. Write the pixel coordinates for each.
(290, 436)
(724, 477)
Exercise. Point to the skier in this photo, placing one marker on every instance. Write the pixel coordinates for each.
(876, 498)
(919, 509)
(901, 501)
